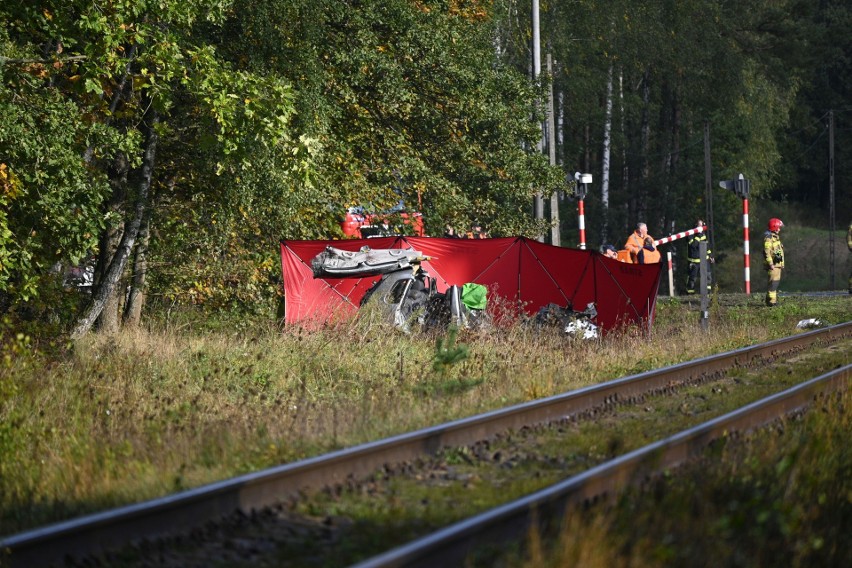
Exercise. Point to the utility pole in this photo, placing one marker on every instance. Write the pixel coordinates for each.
(536, 31)
(708, 185)
(831, 225)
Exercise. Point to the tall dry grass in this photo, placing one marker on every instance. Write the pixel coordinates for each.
(779, 497)
(118, 419)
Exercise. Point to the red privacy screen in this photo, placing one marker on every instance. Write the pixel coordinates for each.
(519, 272)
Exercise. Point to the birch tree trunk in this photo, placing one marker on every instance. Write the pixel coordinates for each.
(607, 147)
(555, 231)
(110, 239)
(625, 165)
(119, 260)
(138, 285)
(107, 321)
(645, 140)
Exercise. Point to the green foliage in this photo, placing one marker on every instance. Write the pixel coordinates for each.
(49, 197)
(675, 67)
(278, 115)
(448, 353)
(406, 100)
(15, 360)
(391, 101)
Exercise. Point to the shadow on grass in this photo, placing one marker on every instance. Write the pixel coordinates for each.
(447, 387)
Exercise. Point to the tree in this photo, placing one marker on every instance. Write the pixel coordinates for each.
(407, 100)
(395, 100)
(49, 196)
(682, 63)
(128, 69)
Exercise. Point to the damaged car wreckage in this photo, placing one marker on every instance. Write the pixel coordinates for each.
(407, 293)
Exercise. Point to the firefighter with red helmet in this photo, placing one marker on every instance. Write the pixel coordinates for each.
(773, 258)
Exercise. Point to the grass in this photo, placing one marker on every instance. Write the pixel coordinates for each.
(462, 482)
(779, 497)
(115, 420)
(806, 240)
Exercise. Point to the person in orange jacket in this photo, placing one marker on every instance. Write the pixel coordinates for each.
(649, 253)
(636, 241)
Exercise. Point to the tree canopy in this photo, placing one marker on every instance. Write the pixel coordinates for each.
(176, 142)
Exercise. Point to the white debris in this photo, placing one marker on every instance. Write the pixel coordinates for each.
(808, 323)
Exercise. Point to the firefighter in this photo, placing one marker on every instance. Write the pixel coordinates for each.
(476, 232)
(773, 258)
(636, 241)
(694, 247)
(385, 230)
(849, 244)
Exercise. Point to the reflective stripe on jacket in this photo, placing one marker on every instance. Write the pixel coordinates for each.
(694, 247)
(773, 250)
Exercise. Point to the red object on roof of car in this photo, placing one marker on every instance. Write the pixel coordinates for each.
(357, 225)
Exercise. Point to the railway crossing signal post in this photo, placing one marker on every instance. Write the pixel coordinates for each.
(583, 181)
(741, 188)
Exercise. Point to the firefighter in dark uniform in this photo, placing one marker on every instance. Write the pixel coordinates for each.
(694, 248)
(849, 244)
(773, 259)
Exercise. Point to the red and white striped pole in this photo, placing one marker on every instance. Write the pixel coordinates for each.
(671, 273)
(745, 248)
(680, 235)
(580, 191)
(742, 188)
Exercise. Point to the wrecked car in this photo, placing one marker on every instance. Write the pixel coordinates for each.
(406, 293)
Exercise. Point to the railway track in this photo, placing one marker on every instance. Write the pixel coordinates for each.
(95, 534)
(512, 522)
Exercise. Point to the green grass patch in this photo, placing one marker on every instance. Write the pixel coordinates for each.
(115, 420)
(779, 497)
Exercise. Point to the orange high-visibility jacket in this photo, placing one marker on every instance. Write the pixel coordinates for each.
(650, 256)
(634, 245)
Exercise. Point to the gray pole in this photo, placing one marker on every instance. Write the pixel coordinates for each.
(708, 189)
(831, 225)
(555, 239)
(702, 281)
(539, 200)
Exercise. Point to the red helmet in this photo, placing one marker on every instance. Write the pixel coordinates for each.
(775, 224)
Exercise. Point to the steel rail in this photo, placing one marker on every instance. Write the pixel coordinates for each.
(99, 532)
(512, 522)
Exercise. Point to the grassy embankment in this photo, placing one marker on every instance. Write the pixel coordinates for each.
(806, 240)
(110, 421)
(780, 497)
